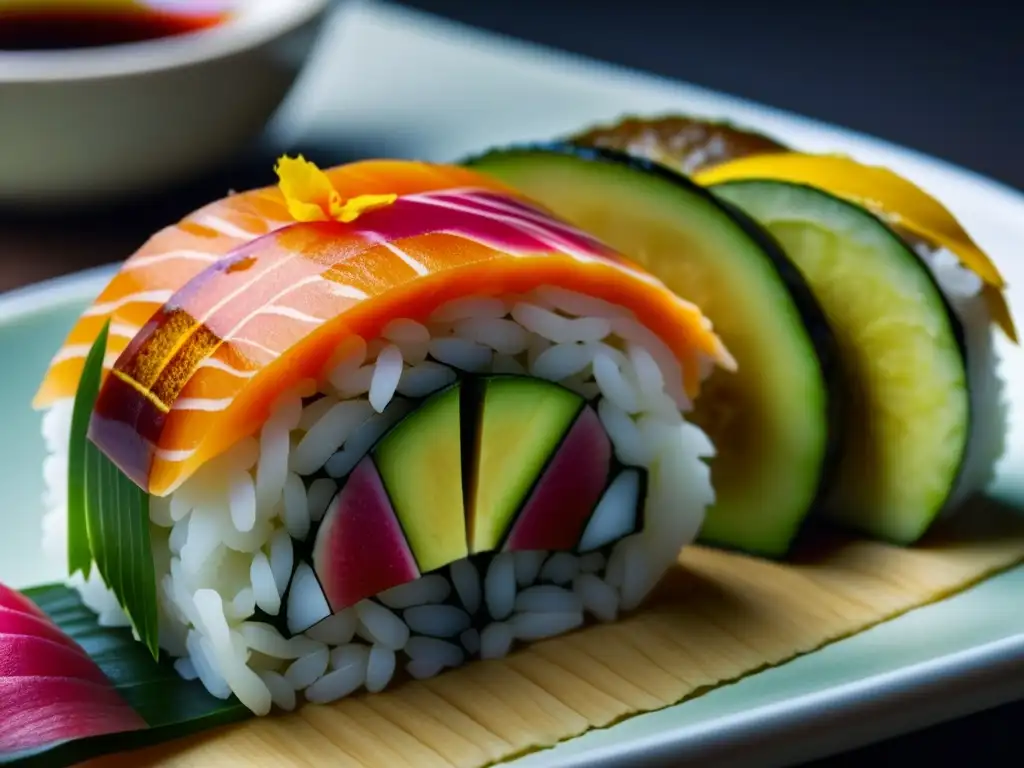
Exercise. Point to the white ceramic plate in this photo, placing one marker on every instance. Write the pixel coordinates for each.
(402, 84)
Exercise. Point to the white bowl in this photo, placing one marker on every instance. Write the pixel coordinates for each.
(88, 125)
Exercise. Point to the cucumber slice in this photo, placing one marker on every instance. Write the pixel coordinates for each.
(903, 356)
(771, 423)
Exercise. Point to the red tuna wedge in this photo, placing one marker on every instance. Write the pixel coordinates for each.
(568, 491)
(50, 691)
(360, 549)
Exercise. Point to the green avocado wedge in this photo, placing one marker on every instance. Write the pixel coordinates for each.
(773, 423)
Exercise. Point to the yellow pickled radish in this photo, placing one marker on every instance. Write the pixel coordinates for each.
(888, 195)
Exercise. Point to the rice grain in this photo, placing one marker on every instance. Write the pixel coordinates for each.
(384, 627)
(496, 640)
(319, 495)
(436, 620)
(328, 434)
(386, 374)
(467, 584)
(303, 672)
(546, 598)
(560, 568)
(432, 649)
(432, 588)
(528, 564)
(264, 587)
(598, 598)
(282, 559)
(380, 669)
(337, 629)
(500, 585)
(537, 626)
(281, 691)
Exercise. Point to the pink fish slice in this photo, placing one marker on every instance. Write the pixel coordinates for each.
(50, 690)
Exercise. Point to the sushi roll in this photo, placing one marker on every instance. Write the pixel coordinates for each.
(375, 420)
(911, 299)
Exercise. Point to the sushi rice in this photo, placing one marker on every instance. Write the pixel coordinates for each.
(986, 441)
(224, 542)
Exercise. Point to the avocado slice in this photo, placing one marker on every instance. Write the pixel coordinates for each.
(564, 498)
(902, 351)
(360, 549)
(775, 423)
(420, 464)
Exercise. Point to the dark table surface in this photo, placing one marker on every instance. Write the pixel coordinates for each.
(942, 77)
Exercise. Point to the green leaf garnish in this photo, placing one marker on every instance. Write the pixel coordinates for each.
(79, 553)
(111, 511)
(173, 707)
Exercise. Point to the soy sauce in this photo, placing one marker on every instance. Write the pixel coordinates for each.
(65, 29)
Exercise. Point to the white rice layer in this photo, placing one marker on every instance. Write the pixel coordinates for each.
(988, 407)
(225, 543)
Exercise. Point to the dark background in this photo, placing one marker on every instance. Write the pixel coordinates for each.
(945, 77)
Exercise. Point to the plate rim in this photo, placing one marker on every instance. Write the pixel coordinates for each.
(995, 665)
(44, 296)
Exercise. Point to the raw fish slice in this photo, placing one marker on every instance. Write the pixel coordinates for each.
(49, 689)
(27, 656)
(16, 601)
(360, 550)
(178, 253)
(284, 302)
(558, 509)
(522, 424)
(38, 711)
(29, 624)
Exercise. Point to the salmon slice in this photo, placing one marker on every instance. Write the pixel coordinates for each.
(206, 367)
(178, 253)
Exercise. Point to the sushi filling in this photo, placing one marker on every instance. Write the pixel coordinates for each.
(264, 595)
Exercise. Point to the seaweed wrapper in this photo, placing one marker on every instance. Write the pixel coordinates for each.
(717, 617)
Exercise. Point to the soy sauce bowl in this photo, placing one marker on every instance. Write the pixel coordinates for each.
(94, 125)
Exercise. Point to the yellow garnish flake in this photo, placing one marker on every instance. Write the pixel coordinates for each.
(356, 206)
(885, 194)
(310, 196)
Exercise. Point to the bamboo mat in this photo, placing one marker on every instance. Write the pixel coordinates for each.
(717, 617)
